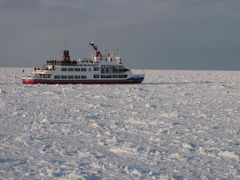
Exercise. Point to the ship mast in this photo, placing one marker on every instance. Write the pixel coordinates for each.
(94, 46)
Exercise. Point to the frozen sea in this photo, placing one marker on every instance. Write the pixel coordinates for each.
(175, 125)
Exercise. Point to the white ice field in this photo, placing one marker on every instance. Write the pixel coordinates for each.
(175, 125)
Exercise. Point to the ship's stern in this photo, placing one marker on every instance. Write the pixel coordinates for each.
(28, 80)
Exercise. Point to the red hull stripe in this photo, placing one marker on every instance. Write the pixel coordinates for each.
(82, 82)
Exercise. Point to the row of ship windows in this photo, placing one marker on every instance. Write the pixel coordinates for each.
(114, 76)
(95, 76)
(70, 77)
(80, 69)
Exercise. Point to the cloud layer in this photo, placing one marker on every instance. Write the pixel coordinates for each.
(186, 34)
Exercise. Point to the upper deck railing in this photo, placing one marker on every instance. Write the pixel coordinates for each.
(66, 63)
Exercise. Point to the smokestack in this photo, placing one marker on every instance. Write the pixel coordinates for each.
(66, 56)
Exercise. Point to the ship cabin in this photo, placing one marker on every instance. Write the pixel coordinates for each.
(108, 66)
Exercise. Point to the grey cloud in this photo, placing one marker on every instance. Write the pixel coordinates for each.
(19, 4)
(150, 33)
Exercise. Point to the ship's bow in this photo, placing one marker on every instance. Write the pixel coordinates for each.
(138, 78)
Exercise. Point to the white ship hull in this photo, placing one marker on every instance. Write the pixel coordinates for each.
(134, 80)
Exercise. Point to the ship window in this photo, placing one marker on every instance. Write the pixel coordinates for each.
(70, 77)
(83, 69)
(77, 69)
(105, 76)
(46, 76)
(96, 76)
(70, 69)
(89, 69)
(77, 77)
(83, 77)
(123, 76)
(96, 68)
(64, 69)
(63, 77)
(56, 77)
(115, 76)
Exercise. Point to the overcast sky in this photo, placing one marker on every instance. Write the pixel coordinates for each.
(160, 34)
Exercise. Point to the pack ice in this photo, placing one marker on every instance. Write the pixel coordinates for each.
(175, 125)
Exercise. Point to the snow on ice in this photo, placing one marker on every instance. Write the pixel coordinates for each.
(175, 125)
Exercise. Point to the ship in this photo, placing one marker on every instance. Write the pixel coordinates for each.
(100, 68)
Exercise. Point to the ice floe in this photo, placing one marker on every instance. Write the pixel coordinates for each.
(175, 125)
